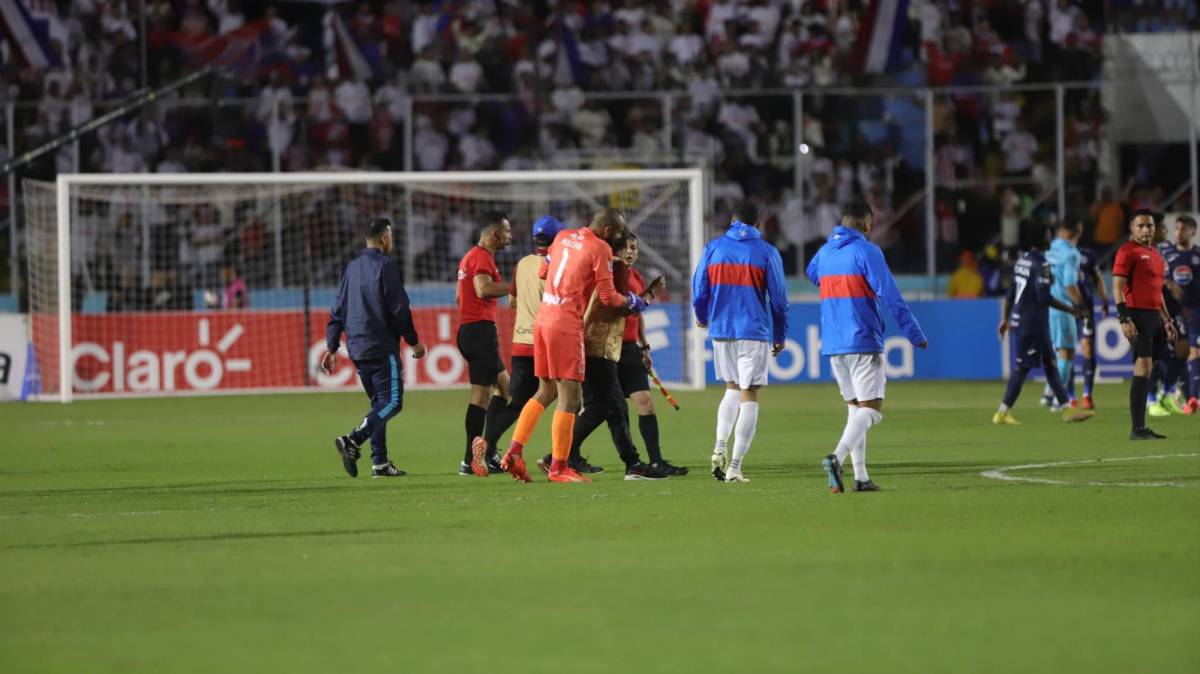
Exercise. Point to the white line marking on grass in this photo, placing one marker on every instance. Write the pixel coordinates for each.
(1002, 473)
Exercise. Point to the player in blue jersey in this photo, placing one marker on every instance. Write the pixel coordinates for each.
(1183, 265)
(1064, 260)
(1169, 372)
(1091, 286)
(1026, 314)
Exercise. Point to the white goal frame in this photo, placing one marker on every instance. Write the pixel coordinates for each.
(66, 181)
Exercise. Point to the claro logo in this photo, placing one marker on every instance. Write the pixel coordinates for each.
(201, 368)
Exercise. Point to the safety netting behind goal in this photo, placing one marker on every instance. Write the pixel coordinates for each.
(194, 288)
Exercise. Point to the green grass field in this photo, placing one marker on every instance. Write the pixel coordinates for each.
(221, 535)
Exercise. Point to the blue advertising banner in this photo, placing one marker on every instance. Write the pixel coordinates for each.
(962, 338)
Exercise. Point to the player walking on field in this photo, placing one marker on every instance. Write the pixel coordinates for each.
(478, 287)
(1138, 274)
(739, 275)
(1091, 286)
(1026, 313)
(854, 280)
(1064, 261)
(1183, 264)
(579, 262)
(525, 296)
(372, 309)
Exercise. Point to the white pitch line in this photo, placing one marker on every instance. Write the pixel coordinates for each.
(1002, 473)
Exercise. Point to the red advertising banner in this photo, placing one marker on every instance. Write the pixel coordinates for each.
(146, 353)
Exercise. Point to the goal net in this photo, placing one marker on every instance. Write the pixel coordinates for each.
(153, 284)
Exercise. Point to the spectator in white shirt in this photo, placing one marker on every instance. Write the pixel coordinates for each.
(765, 13)
(646, 41)
(1062, 21)
(477, 151)
(466, 73)
(394, 95)
(426, 74)
(429, 146)
(687, 46)
(424, 28)
(718, 14)
(1019, 148)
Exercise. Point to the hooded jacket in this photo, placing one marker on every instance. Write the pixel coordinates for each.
(854, 280)
(738, 276)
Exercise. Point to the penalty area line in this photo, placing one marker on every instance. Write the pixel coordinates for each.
(1003, 472)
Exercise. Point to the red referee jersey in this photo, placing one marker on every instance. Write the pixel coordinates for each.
(1144, 268)
(471, 307)
(638, 285)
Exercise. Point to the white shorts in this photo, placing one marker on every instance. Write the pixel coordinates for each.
(859, 375)
(741, 361)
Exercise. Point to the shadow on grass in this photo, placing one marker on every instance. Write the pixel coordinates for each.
(236, 536)
(218, 488)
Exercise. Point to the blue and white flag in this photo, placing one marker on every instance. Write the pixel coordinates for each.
(880, 36)
(28, 38)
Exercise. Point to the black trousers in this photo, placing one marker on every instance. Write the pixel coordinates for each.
(603, 401)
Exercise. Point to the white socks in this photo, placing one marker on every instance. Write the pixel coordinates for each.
(747, 422)
(727, 414)
(854, 439)
(843, 451)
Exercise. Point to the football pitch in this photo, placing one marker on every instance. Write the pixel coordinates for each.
(221, 535)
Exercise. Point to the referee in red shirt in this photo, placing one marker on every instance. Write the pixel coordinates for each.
(478, 287)
(1138, 273)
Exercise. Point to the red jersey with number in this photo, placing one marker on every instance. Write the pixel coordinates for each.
(578, 263)
(471, 307)
(638, 285)
(1144, 268)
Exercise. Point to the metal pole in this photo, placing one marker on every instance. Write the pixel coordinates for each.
(408, 133)
(797, 141)
(930, 185)
(667, 130)
(13, 243)
(277, 211)
(1192, 150)
(142, 39)
(1060, 140)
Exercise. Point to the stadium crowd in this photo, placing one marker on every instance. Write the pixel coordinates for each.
(507, 84)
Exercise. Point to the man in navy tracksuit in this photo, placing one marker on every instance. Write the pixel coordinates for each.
(372, 309)
(854, 280)
(740, 295)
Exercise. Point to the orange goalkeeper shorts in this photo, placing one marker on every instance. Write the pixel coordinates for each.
(557, 354)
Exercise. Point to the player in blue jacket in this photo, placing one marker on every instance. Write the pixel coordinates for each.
(372, 309)
(739, 294)
(855, 280)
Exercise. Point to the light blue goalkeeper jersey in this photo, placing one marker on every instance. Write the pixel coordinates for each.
(1064, 259)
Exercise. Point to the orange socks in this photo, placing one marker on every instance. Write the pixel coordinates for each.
(560, 437)
(530, 413)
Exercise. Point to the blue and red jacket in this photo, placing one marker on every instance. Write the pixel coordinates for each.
(738, 274)
(854, 280)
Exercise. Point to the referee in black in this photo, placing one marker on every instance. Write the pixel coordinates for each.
(1138, 273)
(372, 308)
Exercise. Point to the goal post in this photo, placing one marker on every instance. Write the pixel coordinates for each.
(158, 284)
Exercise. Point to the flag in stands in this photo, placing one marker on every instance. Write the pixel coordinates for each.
(343, 56)
(877, 49)
(28, 38)
(244, 51)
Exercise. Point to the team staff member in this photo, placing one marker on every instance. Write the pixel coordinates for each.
(1138, 286)
(478, 287)
(525, 296)
(635, 361)
(373, 310)
(1091, 286)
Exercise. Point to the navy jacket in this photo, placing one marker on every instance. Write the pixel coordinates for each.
(739, 275)
(855, 280)
(371, 308)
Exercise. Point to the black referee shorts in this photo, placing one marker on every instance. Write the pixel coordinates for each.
(480, 346)
(630, 370)
(1151, 339)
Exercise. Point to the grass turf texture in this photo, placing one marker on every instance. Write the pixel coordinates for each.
(221, 535)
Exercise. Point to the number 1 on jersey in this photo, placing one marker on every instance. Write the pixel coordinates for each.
(562, 266)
